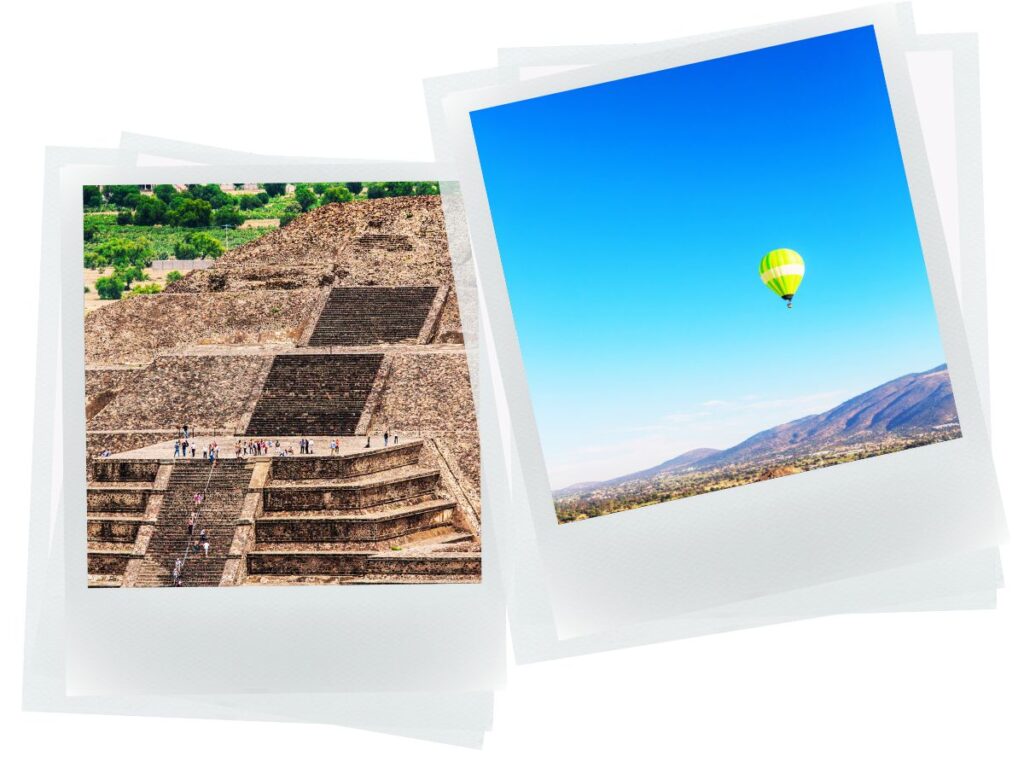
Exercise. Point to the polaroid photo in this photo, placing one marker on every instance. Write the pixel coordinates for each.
(376, 542)
(627, 553)
(958, 583)
(457, 718)
(948, 584)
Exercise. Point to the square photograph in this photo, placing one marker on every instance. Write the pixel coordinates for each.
(715, 274)
(277, 387)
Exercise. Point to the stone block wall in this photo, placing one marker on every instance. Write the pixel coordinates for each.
(137, 328)
(207, 392)
(427, 394)
(329, 467)
(298, 498)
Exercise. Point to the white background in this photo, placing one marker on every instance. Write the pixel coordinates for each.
(318, 78)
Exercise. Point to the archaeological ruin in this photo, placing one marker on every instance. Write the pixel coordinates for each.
(338, 328)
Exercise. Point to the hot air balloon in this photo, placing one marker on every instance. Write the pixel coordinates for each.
(782, 270)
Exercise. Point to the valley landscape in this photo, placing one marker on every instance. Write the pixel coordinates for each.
(910, 411)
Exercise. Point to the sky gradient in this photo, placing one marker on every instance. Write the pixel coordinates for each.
(631, 217)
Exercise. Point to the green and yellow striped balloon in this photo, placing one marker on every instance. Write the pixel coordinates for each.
(782, 270)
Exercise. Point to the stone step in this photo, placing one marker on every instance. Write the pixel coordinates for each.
(224, 485)
(314, 395)
(117, 498)
(381, 526)
(102, 562)
(362, 315)
(111, 470)
(112, 529)
(371, 566)
(348, 466)
(397, 486)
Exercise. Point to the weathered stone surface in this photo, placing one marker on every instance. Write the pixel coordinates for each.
(427, 394)
(341, 467)
(112, 530)
(257, 277)
(125, 470)
(137, 328)
(207, 392)
(389, 241)
(355, 529)
(352, 497)
(108, 563)
(115, 499)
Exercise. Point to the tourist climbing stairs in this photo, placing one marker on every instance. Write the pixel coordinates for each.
(223, 485)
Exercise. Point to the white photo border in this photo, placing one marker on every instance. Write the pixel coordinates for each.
(648, 563)
(347, 637)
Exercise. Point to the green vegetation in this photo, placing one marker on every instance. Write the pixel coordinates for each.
(338, 193)
(147, 288)
(150, 210)
(165, 193)
(190, 212)
(125, 228)
(162, 239)
(197, 245)
(92, 197)
(173, 276)
(120, 252)
(228, 216)
(109, 287)
(305, 197)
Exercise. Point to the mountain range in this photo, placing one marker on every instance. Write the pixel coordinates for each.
(914, 404)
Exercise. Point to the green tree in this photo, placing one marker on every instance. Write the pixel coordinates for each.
(129, 273)
(109, 287)
(196, 245)
(291, 210)
(321, 186)
(151, 210)
(221, 200)
(91, 196)
(263, 197)
(249, 202)
(275, 190)
(165, 192)
(122, 195)
(389, 189)
(90, 230)
(228, 216)
(123, 251)
(124, 217)
(355, 187)
(205, 192)
(305, 197)
(336, 194)
(189, 212)
(174, 276)
(426, 188)
(147, 288)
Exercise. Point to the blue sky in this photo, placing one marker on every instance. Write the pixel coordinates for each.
(631, 217)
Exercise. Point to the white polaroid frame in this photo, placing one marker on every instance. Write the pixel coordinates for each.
(458, 718)
(648, 563)
(371, 638)
(958, 583)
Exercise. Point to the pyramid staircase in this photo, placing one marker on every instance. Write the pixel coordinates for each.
(374, 516)
(314, 395)
(223, 486)
(361, 315)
